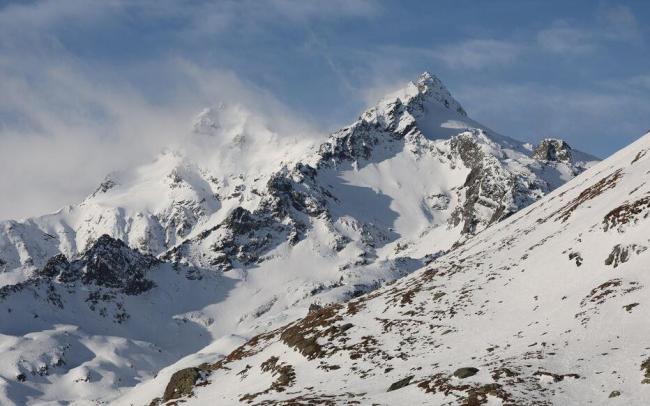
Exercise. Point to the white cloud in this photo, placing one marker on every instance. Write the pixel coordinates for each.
(65, 123)
(75, 129)
(478, 53)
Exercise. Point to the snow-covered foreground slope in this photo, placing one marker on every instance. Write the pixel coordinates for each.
(243, 231)
(546, 307)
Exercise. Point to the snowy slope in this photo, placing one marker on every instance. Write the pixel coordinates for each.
(546, 307)
(247, 238)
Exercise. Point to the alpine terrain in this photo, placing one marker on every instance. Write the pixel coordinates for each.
(413, 256)
(543, 308)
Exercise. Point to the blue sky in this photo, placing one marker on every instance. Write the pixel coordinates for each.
(82, 80)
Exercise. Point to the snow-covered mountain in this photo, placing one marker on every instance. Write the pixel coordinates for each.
(243, 230)
(546, 307)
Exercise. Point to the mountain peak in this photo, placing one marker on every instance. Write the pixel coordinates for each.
(430, 87)
(553, 149)
(426, 94)
(427, 79)
(207, 121)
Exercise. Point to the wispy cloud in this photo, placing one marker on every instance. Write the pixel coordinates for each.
(75, 128)
(611, 25)
(620, 23)
(305, 10)
(478, 53)
(563, 38)
(250, 16)
(530, 111)
(640, 82)
(66, 122)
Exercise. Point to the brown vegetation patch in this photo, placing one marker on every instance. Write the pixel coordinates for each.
(468, 394)
(399, 324)
(303, 335)
(407, 297)
(600, 293)
(286, 377)
(627, 213)
(603, 292)
(591, 192)
(248, 349)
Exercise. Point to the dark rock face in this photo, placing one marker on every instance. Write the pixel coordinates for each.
(645, 368)
(181, 383)
(466, 372)
(628, 308)
(111, 263)
(351, 144)
(487, 185)
(553, 150)
(8, 290)
(240, 239)
(286, 193)
(314, 307)
(56, 265)
(492, 192)
(247, 236)
(107, 269)
(283, 215)
(105, 186)
(621, 254)
(292, 198)
(241, 221)
(400, 384)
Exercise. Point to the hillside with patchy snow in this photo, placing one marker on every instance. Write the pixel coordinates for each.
(181, 260)
(546, 307)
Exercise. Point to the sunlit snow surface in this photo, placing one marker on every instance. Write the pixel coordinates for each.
(384, 194)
